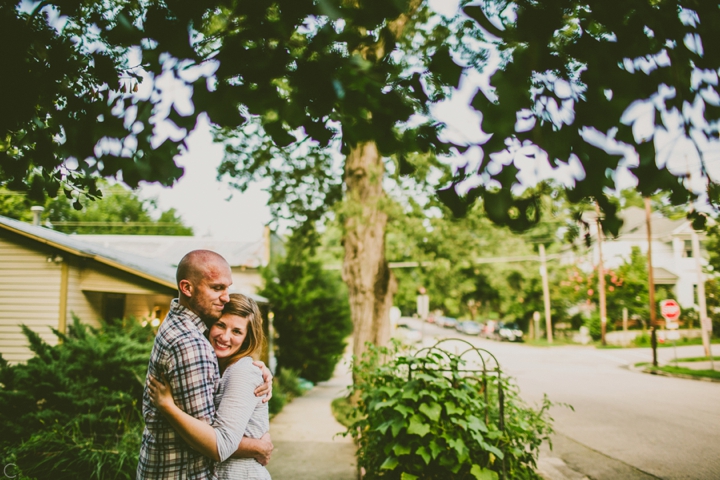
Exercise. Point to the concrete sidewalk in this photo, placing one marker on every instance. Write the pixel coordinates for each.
(305, 435)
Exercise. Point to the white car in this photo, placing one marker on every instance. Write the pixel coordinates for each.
(406, 333)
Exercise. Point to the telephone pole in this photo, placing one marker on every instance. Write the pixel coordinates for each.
(601, 277)
(546, 292)
(651, 281)
(705, 326)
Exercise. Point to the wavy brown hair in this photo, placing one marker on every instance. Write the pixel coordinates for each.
(244, 306)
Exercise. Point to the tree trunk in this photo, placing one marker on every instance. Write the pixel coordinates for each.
(371, 284)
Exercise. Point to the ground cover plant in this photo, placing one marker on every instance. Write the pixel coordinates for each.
(439, 425)
(74, 410)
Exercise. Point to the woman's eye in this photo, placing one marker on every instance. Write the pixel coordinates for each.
(237, 332)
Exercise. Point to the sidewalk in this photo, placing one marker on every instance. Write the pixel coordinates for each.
(304, 435)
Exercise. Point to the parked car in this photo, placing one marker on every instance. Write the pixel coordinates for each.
(468, 327)
(447, 322)
(510, 332)
(407, 333)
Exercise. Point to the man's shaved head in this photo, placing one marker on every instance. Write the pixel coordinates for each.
(194, 264)
(203, 279)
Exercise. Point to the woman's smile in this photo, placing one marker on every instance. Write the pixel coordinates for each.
(228, 334)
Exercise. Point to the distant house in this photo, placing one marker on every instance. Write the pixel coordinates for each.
(47, 276)
(672, 254)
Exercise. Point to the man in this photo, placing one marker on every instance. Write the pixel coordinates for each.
(182, 353)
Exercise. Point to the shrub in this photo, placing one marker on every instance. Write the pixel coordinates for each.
(74, 410)
(594, 326)
(438, 425)
(311, 315)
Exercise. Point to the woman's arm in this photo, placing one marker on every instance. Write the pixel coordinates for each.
(225, 436)
(198, 434)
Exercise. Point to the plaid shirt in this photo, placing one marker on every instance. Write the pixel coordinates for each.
(190, 366)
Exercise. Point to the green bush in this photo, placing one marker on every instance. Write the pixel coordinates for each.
(311, 315)
(594, 326)
(74, 410)
(438, 425)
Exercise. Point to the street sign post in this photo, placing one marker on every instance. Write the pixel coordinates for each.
(670, 310)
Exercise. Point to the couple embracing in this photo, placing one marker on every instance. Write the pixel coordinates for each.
(205, 401)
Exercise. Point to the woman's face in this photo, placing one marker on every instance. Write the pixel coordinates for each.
(228, 334)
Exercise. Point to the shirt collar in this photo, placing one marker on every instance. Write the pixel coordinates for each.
(181, 311)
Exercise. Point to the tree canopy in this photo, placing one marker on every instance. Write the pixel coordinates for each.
(321, 72)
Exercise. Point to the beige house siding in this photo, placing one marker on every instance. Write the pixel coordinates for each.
(31, 287)
(87, 306)
(29, 294)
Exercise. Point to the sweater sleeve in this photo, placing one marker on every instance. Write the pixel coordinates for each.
(237, 406)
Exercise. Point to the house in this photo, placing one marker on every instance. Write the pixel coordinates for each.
(672, 254)
(47, 276)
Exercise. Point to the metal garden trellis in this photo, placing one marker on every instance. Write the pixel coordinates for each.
(459, 363)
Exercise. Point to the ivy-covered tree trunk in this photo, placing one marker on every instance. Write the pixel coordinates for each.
(370, 282)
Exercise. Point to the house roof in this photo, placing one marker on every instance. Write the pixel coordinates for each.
(662, 276)
(155, 269)
(171, 248)
(635, 224)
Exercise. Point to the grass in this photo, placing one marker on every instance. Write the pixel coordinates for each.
(715, 374)
(644, 341)
(343, 411)
(698, 359)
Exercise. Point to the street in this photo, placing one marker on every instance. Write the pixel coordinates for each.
(663, 427)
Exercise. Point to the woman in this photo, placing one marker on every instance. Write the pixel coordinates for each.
(235, 337)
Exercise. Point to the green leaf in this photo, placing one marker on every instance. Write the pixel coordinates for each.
(418, 426)
(422, 451)
(432, 411)
(396, 426)
(435, 449)
(404, 409)
(389, 464)
(400, 450)
(483, 473)
(386, 403)
(474, 423)
(492, 449)
(452, 409)
(408, 476)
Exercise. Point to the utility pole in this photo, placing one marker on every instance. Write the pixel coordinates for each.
(601, 277)
(651, 281)
(704, 320)
(546, 293)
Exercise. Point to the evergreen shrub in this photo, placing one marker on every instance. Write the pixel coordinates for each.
(74, 409)
(434, 426)
(311, 315)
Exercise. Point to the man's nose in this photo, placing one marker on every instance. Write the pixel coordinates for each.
(225, 296)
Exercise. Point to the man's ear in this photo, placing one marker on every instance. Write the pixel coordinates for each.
(186, 288)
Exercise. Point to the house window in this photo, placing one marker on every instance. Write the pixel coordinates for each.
(113, 306)
(688, 249)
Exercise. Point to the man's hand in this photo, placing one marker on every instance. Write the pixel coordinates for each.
(265, 448)
(265, 388)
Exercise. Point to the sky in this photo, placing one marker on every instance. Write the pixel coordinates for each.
(211, 207)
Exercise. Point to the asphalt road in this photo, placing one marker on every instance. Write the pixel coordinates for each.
(657, 426)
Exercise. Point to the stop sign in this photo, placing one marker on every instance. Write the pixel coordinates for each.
(670, 310)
